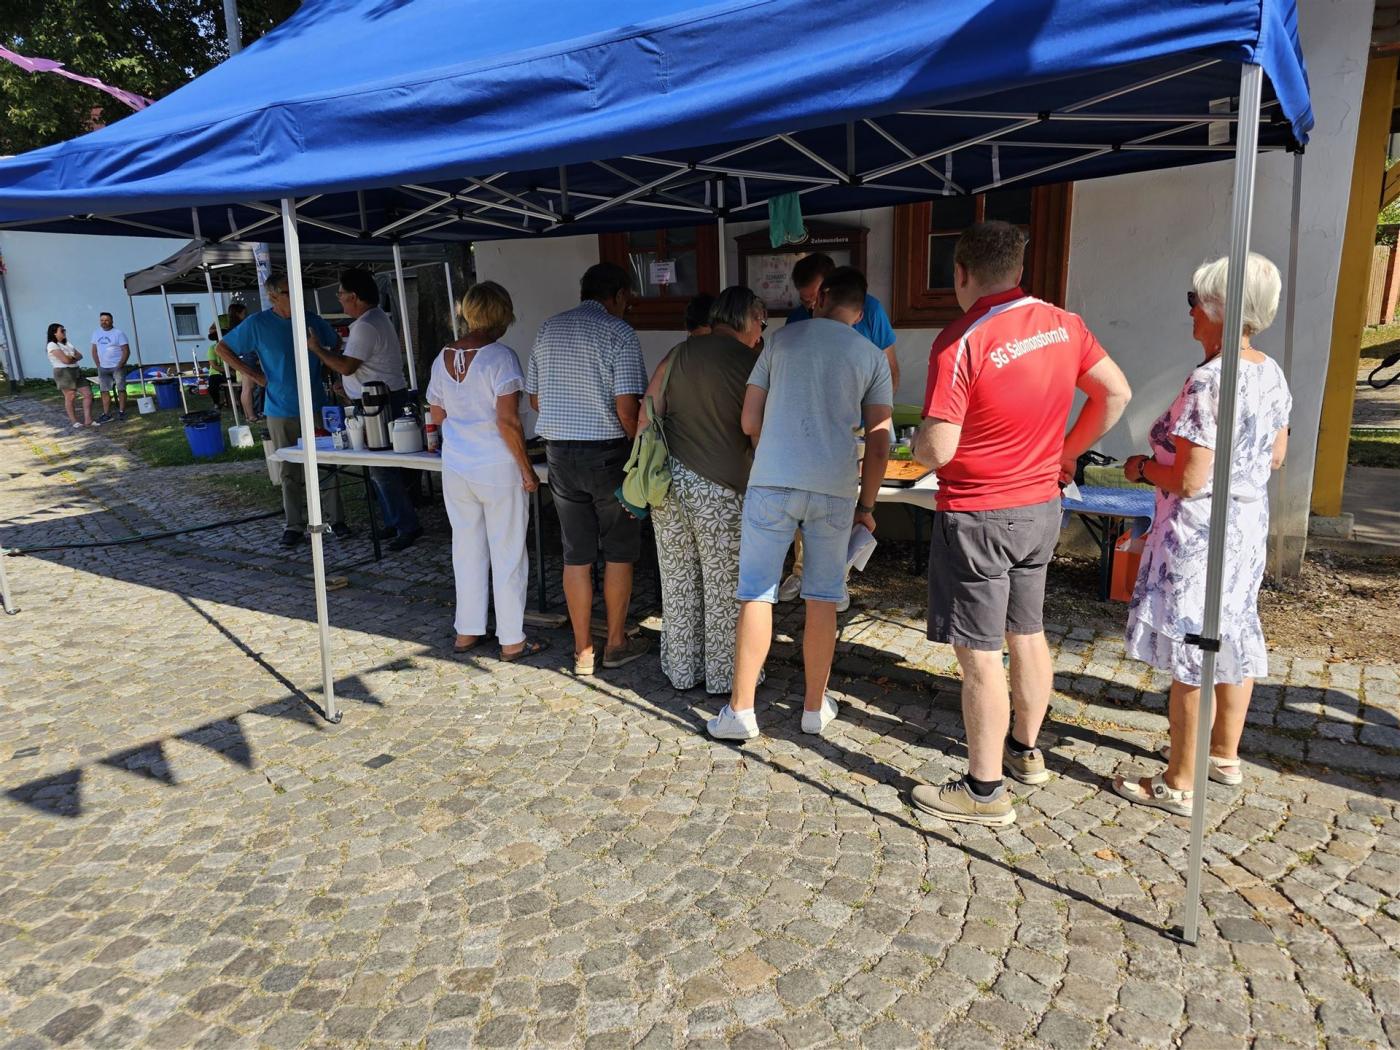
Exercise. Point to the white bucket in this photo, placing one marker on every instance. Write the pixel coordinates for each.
(240, 436)
(145, 405)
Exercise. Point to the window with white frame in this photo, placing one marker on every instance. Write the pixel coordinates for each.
(186, 316)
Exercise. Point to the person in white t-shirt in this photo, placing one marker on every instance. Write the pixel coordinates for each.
(474, 395)
(67, 362)
(109, 353)
(371, 352)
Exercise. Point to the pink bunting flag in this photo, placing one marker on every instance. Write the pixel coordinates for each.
(48, 65)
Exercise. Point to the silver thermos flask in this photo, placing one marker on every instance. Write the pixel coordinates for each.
(374, 399)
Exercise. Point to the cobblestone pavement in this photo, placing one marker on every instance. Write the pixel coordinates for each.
(501, 856)
(1375, 408)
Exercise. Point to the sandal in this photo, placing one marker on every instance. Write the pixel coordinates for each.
(458, 650)
(1160, 796)
(532, 647)
(1222, 770)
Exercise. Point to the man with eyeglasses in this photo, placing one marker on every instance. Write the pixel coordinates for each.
(874, 324)
(372, 353)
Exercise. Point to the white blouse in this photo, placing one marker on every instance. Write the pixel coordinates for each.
(56, 352)
(472, 446)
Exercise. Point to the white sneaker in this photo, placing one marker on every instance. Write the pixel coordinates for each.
(733, 725)
(845, 602)
(817, 721)
(790, 589)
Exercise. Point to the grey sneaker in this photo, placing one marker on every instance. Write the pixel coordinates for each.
(953, 801)
(630, 650)
(1026, 766)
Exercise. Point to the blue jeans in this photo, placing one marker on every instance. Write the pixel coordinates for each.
(395, 508)
(771, 517)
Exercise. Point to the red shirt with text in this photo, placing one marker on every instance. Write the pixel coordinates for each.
(1006, 372)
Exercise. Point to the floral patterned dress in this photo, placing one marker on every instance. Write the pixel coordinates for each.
(1169, 599)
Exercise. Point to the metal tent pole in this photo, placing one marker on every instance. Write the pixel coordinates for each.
(219, 331)
(403, 317)
(451, 301)
(719, 233)
(308, 431)
(1290, 304)
(174, 348)
(16, 366)
(6, 602)
(136, 338)
(1246, 157)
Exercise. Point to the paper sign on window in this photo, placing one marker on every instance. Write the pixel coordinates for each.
(663, 272)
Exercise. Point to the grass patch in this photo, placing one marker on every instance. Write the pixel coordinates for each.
(157, 439)
(252, 490)
(1374, 448)
(1380, 342)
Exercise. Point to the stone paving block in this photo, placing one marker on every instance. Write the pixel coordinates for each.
(538, 860)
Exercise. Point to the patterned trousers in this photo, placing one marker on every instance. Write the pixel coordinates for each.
(697, 550)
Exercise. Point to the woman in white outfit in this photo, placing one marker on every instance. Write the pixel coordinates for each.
(1169, 600)
(474, 397)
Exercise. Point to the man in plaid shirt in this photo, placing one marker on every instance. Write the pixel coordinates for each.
(586, 379)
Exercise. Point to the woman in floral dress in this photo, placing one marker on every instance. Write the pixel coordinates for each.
(1169, 599)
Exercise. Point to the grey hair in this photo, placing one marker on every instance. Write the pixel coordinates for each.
(736, 306)
(277, 281)
(1261, 290)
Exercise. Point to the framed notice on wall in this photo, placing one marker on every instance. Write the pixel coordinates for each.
(768, 270)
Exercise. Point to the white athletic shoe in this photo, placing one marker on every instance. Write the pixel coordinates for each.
(817, 721)
(845, 602)
(790, 589)
(733, 725)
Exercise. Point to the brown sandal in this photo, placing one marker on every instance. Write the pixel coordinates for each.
(458, 650)
(532, 647)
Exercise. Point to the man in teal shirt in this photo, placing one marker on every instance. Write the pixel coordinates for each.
(874, 324)
(269, 334)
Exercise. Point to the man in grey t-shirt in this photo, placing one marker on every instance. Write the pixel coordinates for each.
(371, 353)
(812, 390)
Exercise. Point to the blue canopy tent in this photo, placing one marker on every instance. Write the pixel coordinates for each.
(468, 120)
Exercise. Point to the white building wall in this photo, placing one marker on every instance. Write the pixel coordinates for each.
(1134, 243)
(71, 278)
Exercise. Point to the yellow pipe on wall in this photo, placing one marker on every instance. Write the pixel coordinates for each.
(1353, 284)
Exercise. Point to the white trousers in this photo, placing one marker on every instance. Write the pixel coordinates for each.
(488, 534)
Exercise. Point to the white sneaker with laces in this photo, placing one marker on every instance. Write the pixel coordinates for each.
(733, 725)
(815, 722)
(790, 589)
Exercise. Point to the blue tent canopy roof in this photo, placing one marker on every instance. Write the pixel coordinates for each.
(440, 119)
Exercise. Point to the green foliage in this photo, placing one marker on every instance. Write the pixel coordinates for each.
(150, 47)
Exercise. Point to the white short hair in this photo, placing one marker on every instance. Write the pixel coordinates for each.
(1261, 290)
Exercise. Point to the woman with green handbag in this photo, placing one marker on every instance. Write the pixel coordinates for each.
(697, 396)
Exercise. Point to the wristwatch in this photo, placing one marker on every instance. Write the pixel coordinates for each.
(861, 508)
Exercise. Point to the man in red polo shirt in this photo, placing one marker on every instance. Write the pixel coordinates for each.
(1001, 382)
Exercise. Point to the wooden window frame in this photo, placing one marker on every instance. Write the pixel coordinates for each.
(665, 313)
(915, 305)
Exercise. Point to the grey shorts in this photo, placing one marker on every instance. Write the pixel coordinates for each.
(70, 378)
(107, 378)
(986, 573)
(583, 479)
